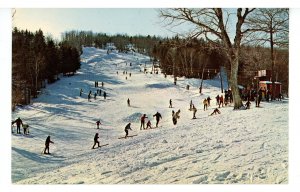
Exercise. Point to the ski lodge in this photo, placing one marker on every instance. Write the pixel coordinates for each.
(264, 78)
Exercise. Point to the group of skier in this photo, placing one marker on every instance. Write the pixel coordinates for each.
(157, 116)
(19, 122)
(99, 92)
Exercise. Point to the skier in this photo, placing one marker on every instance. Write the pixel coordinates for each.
(104, 95)
(100, 91)
(170, 106)
(258, 97)
(129, 74)
(102, 84)
(80, 93)
(216, 110)
(19, 123)
(226, 97)
(221, 101)
(174, 118)
(149, 125)
(26, 129)
(126, 129)
(98, 123)
(191, 105)
(177, 114)
(96, 137)
(95, 95)
(217, 99)
(128, 102)
(158, 117)
(205, 103)
(143, 121)
(47, 143)
(89, 97)
(208, 101)
(194, 112)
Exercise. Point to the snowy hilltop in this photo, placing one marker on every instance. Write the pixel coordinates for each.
(244, 146)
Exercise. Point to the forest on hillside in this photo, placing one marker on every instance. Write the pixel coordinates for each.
(260, 43)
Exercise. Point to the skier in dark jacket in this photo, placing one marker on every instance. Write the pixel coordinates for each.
(96, 141)
(194, 109)
(98, 123)
(128, 102)
(218, 99)
(47, 143)
(158, 116)
(19, 123)
(170, 102)
(104, 95)
(126, 129)
(208, 101)
(143, 118)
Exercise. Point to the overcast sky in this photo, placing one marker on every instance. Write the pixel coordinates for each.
(132, 21)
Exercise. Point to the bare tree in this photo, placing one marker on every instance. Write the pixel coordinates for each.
(213, 24)
(269, 27)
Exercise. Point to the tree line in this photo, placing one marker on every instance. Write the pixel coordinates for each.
(37, 59)
(197, 58)
(142, 44)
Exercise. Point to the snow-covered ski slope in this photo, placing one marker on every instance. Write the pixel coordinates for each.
(247, 146)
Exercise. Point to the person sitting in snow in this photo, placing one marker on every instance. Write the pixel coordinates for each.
(96, 137)
(149, 125)
(126, 129)
(47, 143)
(216, 110)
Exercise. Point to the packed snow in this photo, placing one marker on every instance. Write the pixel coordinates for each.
(236, 146)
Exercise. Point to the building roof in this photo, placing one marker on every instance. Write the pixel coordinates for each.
(269, 82)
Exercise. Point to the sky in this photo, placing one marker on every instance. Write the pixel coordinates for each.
(132, 21)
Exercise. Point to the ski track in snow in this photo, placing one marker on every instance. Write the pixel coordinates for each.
(247, 146)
